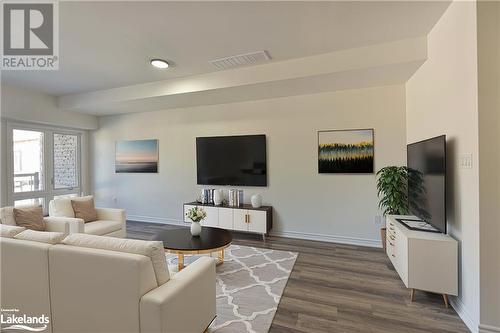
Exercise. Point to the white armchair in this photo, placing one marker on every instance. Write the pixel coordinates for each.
(53, 224)
(110, 221)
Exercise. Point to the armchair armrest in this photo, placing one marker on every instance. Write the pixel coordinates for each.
(112, 214)
(57, 224)
(75, 225)
(163, 310)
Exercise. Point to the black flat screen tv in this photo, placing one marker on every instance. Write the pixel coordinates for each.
(232, 160)
(427, 181)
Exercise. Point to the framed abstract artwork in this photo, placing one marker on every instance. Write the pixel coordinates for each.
(346, 151)
(136, 156)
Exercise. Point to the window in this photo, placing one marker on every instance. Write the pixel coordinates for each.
(65, 161)
(29, 202)
(29, 148)
(44, 164)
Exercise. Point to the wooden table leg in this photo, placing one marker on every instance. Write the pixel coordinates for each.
(446, 301)
(412, 295)
(180, 261)
(221, 256)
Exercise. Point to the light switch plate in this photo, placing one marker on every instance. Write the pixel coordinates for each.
(466, 161)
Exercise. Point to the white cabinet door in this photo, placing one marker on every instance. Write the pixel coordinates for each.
(401, 256)
(186, 208)
(257, 221)
(226, 218)
(239, 219)
(212, 219)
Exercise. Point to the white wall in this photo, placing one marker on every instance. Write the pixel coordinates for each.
(306, 203)
(441, 98)
(489, 148)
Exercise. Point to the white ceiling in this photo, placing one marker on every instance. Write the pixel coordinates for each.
(107, 44)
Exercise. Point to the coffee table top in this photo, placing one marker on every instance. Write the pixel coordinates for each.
(182, 240)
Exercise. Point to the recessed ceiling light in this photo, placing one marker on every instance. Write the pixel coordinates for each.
(159, 63)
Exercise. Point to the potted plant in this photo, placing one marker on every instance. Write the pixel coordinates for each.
(392, 190)
(196, 215)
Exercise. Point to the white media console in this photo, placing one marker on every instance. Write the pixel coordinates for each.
(243, 218)
(424, 260)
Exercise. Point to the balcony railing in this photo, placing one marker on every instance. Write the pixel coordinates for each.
(26, 182)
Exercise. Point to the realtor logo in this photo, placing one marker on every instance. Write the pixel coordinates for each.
(30, 35)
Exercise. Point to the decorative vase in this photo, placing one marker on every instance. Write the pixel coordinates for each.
(195, 228)
(256, 200)
(218, 197)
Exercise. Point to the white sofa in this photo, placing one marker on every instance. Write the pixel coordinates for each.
(110, 222)
(99, 290)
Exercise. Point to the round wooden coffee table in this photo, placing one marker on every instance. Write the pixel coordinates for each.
(181, 242)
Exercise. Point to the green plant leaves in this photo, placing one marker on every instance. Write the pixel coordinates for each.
(392, 189)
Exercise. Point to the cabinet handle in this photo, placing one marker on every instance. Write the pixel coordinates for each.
(248, 218)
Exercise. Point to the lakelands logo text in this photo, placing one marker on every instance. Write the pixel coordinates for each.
(11, 319)
(30, 35)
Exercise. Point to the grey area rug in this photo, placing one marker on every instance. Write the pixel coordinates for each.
(250, 284)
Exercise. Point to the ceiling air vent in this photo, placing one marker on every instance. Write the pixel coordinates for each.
(241, 60)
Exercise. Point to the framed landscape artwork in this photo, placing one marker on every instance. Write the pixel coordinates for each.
(346, 151)
(136, 156)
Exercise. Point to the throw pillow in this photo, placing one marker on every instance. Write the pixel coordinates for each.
(30, 218)
(84, 209)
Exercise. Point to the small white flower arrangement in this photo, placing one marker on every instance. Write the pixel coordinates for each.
(196, 214)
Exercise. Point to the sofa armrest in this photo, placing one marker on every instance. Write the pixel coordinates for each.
(112, 214)
(163, 310)
(57, 224)
(76, 225)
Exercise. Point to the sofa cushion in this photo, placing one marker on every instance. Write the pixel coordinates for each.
(152, 249)
(102, 227)
(9, 231)
(30, 218)
(84, 209)
(7, 215)
(41, 236)
(61, 208)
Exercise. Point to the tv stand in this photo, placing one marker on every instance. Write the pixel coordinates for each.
(426, 261)
(241, 218)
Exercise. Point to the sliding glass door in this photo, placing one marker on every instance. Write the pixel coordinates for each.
(45, 163)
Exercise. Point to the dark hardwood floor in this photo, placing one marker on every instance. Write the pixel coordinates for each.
(342, 288)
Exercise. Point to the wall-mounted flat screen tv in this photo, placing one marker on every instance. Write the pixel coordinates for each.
(427, 181)
(232, 160)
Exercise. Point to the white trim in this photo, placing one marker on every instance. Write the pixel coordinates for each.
(329, 238)
(289, 234)
(154, 219)
(488, 329)
(464, 314)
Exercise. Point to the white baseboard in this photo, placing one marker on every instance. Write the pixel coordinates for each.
(161, 220)
(289, 234)
(464, 314)
(488, 329)
(328, 238)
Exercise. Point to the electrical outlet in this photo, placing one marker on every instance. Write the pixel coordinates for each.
(466, 161)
